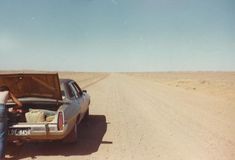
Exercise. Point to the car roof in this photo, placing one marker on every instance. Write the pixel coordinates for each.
(65, 80)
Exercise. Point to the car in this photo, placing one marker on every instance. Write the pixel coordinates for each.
(52, 107)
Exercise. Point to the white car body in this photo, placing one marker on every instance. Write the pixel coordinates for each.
(45, 91)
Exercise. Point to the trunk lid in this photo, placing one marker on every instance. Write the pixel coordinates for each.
(41, 85)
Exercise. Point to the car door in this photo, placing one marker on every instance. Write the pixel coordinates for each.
(80, 96)
(74, 96)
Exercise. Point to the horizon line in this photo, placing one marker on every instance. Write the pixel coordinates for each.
(77, 71)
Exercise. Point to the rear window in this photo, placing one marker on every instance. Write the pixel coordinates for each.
(62, 93)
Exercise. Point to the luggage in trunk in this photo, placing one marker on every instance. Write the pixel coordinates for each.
(32, 114)
(35, 116)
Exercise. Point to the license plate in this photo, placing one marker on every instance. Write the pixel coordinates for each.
(19, 131)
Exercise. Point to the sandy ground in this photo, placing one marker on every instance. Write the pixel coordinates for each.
(173, 116)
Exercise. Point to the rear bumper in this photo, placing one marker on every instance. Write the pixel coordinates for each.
(37, 132)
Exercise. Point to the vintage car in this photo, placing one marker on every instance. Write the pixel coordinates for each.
(52, 107)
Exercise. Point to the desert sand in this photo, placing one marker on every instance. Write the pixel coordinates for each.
(165, 116)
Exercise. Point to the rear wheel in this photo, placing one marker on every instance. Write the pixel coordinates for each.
(72, 137)
(86, 117)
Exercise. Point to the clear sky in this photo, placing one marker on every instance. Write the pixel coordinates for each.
(117, 35)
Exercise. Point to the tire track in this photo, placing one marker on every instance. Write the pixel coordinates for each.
(95, 81)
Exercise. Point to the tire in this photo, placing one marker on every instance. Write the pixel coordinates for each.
(72, 137)
(86, 116)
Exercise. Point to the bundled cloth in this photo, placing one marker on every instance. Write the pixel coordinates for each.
(39, 115)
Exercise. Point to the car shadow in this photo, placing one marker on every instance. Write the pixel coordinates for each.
(90, 137)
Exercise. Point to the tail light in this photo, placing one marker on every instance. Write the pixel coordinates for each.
(60, 121)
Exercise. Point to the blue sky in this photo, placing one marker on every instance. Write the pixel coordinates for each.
(117, 35)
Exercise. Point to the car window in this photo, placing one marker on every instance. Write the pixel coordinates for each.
(75, 89)
(71, 91)
(79, 91)
(62, 93)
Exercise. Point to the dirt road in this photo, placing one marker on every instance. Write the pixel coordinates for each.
(140, 119)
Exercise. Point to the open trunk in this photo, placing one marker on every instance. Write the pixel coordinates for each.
(40, 118)
(40, 94)
(31, 112)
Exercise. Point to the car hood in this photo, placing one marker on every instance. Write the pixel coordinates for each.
(42, 85)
